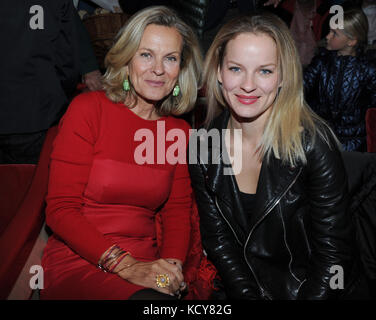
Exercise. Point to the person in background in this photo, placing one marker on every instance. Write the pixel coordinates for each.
(340, 83)
(103, 197)
(46, 49)
(369, 8)
(307, 20)
(272, 197)
(89, 69)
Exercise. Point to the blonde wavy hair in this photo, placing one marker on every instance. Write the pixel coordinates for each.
(126, 44)
(282, 136)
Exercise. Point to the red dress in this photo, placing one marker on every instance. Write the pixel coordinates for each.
(99, 195)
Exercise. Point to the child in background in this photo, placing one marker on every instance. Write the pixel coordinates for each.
(340, 83)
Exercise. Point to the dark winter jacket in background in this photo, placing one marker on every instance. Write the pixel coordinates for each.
(340, 89)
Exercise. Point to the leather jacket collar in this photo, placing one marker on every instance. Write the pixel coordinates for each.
(272, 184)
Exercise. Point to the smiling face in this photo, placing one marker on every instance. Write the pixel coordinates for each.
(249, 75)
(154, 69)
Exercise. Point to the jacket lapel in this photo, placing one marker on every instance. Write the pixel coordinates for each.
(224, 186)
(274, 181)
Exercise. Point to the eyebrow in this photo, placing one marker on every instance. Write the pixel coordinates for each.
(151, 50)
(268, 65)
(262, 66)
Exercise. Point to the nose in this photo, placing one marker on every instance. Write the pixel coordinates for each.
(248, 84)
(328, 36)
(158, 67)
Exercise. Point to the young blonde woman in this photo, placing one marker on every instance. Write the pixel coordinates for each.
(279, 227)
(101, 203)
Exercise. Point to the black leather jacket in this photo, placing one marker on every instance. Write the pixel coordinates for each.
(340, 89)
(300, 227)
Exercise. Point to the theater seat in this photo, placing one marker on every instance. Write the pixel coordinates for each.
(22, 193)
(371, 129)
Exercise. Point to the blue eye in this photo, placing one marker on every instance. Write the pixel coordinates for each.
(265, 71)
(145, 54)
(172, 59)
(234, 69)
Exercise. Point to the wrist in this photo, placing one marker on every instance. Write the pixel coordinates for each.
(125, 268)
(112, 258)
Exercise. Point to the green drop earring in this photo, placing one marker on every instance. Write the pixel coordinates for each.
(176, 91)
(126, 85)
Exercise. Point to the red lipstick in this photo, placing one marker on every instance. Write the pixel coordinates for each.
(247, 99)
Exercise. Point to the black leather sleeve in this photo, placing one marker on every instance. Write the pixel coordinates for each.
(220, 244)
(331, 230)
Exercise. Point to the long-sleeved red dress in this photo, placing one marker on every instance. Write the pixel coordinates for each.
(99, 195)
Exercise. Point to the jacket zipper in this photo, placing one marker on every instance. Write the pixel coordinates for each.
(264, 293)
(223, 216)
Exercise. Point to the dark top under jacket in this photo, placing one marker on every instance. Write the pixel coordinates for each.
(340, 89)
(299, 227)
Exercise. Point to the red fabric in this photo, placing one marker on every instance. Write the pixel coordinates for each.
(98, 196)
(15, 182)
(19, 237)
(199, 272)
(371, 129)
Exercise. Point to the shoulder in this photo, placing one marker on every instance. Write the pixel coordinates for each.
(322, 145)
(86, 108)
(88, 102)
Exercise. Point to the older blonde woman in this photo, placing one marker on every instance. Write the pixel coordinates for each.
(101, 202)
(278, 228)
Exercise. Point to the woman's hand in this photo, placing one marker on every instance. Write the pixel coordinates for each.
(145, 273)
(274, 3)
(183, 286)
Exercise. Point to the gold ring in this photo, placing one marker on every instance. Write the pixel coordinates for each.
(162, 280)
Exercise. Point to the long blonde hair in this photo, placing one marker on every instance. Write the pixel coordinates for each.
(282, 136)
(126, 44)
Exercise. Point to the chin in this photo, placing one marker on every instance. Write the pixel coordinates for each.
(244, 114)
(154, 97)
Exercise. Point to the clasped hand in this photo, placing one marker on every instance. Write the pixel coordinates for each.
(145, 274)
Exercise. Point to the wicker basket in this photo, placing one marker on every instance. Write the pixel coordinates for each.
(102, 29)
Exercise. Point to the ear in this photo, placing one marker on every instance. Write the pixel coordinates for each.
(280, 81)
(219, 75)
(352, 42)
